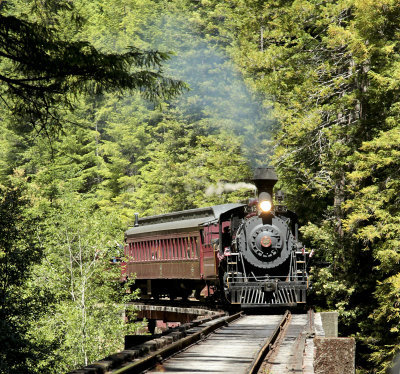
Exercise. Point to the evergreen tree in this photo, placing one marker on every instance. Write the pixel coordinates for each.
(374, 217)
(40, 73)
(183, 165)
(20, 303)
(329, 69)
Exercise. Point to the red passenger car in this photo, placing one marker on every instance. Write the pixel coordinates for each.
(175, 254)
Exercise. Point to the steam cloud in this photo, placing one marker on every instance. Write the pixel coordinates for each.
(220, 188)
(218, 92)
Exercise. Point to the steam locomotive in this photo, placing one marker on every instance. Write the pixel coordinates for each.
(247, 254)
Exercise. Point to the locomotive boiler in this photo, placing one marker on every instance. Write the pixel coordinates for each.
(247, 254)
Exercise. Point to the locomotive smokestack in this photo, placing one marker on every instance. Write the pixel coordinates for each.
(265, 180)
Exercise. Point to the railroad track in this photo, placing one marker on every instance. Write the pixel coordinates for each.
(219, 344)
(240, 347)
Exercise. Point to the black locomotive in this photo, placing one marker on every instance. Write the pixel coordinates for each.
(248, 254)
(267, 264)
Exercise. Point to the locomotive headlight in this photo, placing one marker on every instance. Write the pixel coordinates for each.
(265, 206)
(265, 202)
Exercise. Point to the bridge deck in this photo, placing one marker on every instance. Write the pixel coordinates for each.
(229, 350)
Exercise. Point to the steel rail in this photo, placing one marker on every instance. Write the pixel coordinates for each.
(270, 344)
(151, 360)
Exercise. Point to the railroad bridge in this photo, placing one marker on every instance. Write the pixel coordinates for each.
(210, 341)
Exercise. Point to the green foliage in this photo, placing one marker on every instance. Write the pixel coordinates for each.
(373, 219)
(87, 315)
(182, 165)
(116, 154)
(19, 306)
(41, 73)
(386, 320)
(326, 72)
(218, 93)
(331, 71)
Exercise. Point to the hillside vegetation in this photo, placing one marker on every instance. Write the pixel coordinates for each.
(115, 107)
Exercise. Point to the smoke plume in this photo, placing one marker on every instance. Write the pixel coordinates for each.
(218, 92)
(221, 188)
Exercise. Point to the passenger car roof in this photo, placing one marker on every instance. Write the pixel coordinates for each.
(183, 220)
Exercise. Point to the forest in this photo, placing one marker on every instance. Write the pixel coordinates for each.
(113, 107)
